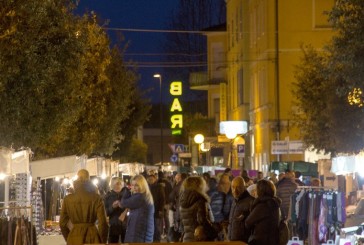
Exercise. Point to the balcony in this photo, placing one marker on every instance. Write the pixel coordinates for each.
(201, 81)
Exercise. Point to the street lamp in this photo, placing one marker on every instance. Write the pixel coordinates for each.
(231, 135)
(231, 129)
(160, 114)
(199, 139)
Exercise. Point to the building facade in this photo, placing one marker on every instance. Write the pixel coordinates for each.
(262, 45)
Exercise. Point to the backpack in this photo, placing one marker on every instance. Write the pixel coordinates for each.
(283, 232)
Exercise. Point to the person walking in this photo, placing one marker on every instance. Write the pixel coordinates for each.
(112, 198)
(240, 210)
(265, 215)
(194, 211)
(140, 227)
(83, 209)
(176, 228)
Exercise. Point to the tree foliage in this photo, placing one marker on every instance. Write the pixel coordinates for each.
(137, 152)
(62, 89)
(329, 85)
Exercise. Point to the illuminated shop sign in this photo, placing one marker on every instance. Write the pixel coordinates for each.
(176, 108)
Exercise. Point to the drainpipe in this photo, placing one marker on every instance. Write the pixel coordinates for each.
(277, 76)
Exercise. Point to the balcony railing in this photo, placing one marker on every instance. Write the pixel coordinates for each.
(201, 79)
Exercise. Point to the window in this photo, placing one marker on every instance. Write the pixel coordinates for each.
(240, 87)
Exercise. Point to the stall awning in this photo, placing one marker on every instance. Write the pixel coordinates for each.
(347, 164)
(49, 168)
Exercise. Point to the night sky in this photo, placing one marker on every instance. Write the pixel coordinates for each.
(137, 14)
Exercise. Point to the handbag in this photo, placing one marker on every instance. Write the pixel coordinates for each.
(295, 241)
(200, 234)
(345, 241)
(328, 242)
(123, 215)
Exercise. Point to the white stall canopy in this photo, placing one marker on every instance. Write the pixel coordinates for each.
(131, 169)
(50, 168)
(68, 167)
(347, 164)
(20, 162)
(5, 160)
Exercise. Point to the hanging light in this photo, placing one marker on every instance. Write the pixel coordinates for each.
(230, 134)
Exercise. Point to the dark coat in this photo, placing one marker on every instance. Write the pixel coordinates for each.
(159, 199)
(264, 221)
(174, 206)
(114, 213)
(140, 226)
(167, 187)
(240, 209)
(285, 188)
(83, 209)
(194, 212)
(174, 196)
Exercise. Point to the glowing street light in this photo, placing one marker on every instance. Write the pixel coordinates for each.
(199, 139)
(160, 114)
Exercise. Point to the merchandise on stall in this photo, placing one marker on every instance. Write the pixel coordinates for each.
(37, 204)
(317, 214)
(16, 225)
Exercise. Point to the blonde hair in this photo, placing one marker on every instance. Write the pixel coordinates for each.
(144, 187)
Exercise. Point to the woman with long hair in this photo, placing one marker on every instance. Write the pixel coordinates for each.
(265, 215)
(140, 224)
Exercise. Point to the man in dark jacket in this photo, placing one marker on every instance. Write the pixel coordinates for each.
(159, 201)
(176, 228)
(167, 186)
(285, 188)
(240, 210)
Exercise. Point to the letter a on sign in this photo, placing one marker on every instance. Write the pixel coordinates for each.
(176, 106)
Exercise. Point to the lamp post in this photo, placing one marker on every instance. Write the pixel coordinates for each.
(160, 114)
(199, 139)
(231, 136)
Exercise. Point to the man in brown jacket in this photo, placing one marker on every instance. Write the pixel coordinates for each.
(83, 208)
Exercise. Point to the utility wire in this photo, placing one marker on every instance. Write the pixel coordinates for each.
(153, 30)
(164, 54)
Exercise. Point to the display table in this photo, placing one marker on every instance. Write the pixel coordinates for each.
(51, 239)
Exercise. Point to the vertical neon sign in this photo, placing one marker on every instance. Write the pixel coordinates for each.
(176, 108)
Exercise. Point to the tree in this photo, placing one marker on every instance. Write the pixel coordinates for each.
(329, 85)
(137, 152)
(62, 90)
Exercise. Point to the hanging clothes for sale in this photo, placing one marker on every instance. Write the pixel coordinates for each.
(17, 231)
(317, 214)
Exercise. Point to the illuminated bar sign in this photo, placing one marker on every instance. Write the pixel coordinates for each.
(176, 108)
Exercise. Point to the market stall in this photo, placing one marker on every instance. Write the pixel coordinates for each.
(56, 176)
(17, 194)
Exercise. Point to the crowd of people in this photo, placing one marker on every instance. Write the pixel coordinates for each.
(181, 207)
